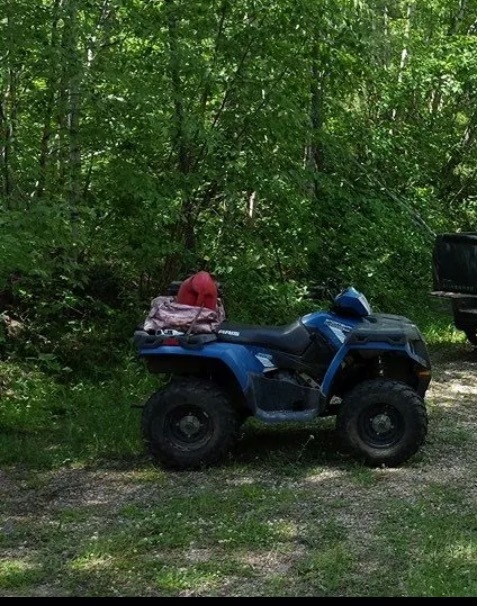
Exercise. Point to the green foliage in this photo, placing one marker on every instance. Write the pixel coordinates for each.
(48, 423)
(285, 147)
(27, 399)
(282, 146)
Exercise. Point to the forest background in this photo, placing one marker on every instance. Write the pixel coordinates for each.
(291, 148)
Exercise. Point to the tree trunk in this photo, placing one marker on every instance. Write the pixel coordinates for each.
(185, 227)
(404, 54)
(49, 105)
(8, 113)
(74, 108)
(314, 150)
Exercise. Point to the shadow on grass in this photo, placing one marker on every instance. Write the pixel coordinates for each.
(284, 447)
(290, 445)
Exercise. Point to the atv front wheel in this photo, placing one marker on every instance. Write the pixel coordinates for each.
(383, 422)
(190, 423)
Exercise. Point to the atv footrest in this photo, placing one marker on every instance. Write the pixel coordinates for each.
(286, 416)
(272, 395)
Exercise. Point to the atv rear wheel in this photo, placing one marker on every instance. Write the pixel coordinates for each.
(189, 424)
(382, 422)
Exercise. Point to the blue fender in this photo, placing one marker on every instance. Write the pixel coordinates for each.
(239, 359)
(378, 346)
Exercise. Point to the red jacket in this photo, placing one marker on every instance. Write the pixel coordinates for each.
(199, 290)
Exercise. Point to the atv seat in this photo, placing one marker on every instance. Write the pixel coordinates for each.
(292, 338)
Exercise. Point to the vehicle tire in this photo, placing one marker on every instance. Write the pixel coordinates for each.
(189, 424)
(382, 422)
(471, 335)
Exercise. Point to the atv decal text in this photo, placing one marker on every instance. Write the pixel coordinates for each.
(339, 330)
(232, 333)
(265, 360)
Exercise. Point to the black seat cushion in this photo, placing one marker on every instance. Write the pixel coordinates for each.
(292, 338)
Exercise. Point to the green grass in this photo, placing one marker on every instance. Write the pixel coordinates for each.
(47, 423)
(84, 512)
(18, 574)
(433, 544)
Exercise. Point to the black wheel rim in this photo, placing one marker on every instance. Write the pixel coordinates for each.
(381, 426)
(188, 427)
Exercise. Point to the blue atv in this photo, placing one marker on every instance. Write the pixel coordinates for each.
(369, 370)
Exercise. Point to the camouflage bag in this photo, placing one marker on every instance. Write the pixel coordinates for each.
(167, 315)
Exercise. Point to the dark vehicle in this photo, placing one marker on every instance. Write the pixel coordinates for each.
(371, 371)
(454, 271)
